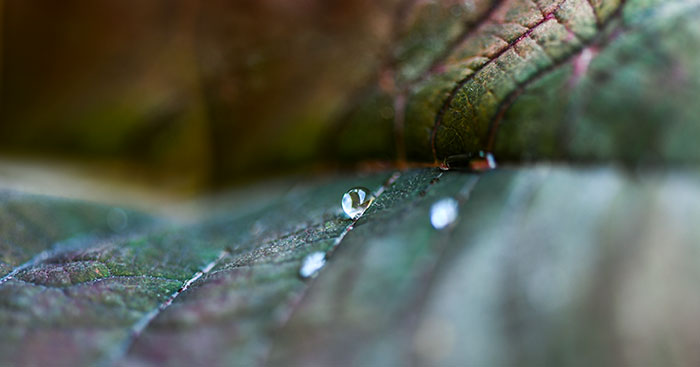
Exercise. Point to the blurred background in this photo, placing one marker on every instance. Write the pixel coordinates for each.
(178, 95)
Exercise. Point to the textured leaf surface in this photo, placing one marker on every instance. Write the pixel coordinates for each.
(576, 79)
(545, 265)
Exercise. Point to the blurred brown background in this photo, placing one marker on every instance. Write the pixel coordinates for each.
(188, 92)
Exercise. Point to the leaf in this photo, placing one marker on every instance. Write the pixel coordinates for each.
(235, 90)
(83, 303)
(545, 264)
(575, 79)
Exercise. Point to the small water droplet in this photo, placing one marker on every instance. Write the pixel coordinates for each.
(443, 212)
(312, 263)
(117, 219)
(457, 161)
(485, 162)
(356, 201)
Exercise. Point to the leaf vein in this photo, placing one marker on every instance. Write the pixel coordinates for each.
(460, 84)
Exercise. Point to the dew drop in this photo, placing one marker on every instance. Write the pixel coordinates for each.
(312, 263)
(117, 219)
(485, 162)
(443, 212)
(356, 201)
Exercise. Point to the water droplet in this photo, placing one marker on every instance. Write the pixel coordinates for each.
(457, 161)
(117, 219)
(485, 162)
(312, 263)
(356, 201)
(443, 212)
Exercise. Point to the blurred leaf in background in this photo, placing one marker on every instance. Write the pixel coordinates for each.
(199, 91)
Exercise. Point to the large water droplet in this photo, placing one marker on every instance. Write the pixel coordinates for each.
(312, 263)
(443, 213)
(356, 201)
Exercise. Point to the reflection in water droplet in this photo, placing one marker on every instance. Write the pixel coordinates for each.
(312, 263)
(443, 213)
(117, 219)
(356, 201)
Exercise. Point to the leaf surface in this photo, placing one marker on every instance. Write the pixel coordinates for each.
(573, 79)
(547, 264)
(544, 254)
